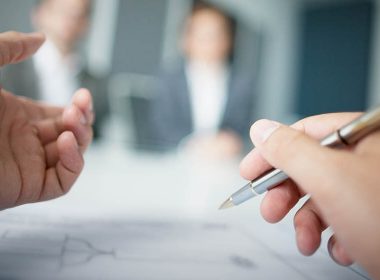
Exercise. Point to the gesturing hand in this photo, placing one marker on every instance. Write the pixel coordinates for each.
(41, 146)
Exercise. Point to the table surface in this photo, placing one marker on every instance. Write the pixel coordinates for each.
(119, 183)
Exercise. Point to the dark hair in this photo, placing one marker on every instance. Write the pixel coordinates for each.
(231, 22)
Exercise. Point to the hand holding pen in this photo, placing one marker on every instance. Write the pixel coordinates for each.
(344, 186)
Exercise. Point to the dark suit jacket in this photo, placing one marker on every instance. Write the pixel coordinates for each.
(22, 79)
(171, 110)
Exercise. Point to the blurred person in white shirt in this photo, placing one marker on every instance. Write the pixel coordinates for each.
(59, 68)
(205, 101)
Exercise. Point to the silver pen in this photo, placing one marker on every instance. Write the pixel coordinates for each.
(348, 135)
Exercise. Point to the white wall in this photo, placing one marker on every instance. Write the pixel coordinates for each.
(177, 11)
(278, 22)
(102, 35)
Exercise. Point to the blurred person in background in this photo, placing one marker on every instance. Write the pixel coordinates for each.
(58, 68)
(204, 100)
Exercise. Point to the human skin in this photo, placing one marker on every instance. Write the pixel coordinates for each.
(206, 38)
(65, 22)
(41, 146)
(343, 185)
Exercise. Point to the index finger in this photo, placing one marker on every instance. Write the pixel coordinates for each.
(15, 46)
(253, 165)
(320, 126)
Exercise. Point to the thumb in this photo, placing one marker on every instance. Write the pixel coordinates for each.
(313, 167)
(15, 46)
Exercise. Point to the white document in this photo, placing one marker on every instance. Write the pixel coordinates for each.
(38, 247)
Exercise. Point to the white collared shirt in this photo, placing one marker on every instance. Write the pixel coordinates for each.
(208, 88)
(57, 75)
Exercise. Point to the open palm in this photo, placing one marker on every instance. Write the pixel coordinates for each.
(41, 146)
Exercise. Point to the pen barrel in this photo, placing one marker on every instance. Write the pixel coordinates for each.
(243, 194)
(270, 180)
(361, 127)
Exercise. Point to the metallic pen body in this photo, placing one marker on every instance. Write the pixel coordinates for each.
(347, 135)
(264, 183)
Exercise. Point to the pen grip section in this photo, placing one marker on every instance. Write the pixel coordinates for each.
(270, 180)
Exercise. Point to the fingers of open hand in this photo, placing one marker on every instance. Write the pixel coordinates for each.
(75, 121)
(39, 111)
(61, 177)
(15, 46)
(77, 118)
(338, 253)
(309, 227)
(83, 100)
(51, 154)
(70, 159)
(49, 129)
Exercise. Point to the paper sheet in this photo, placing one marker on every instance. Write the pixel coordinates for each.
(38, 247)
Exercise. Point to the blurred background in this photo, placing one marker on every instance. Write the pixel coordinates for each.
(295, 58)
(188, 78)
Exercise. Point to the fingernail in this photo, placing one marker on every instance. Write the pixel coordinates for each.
(262, 130)
(332, 250)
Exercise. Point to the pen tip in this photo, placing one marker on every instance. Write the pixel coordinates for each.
(227, 204)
